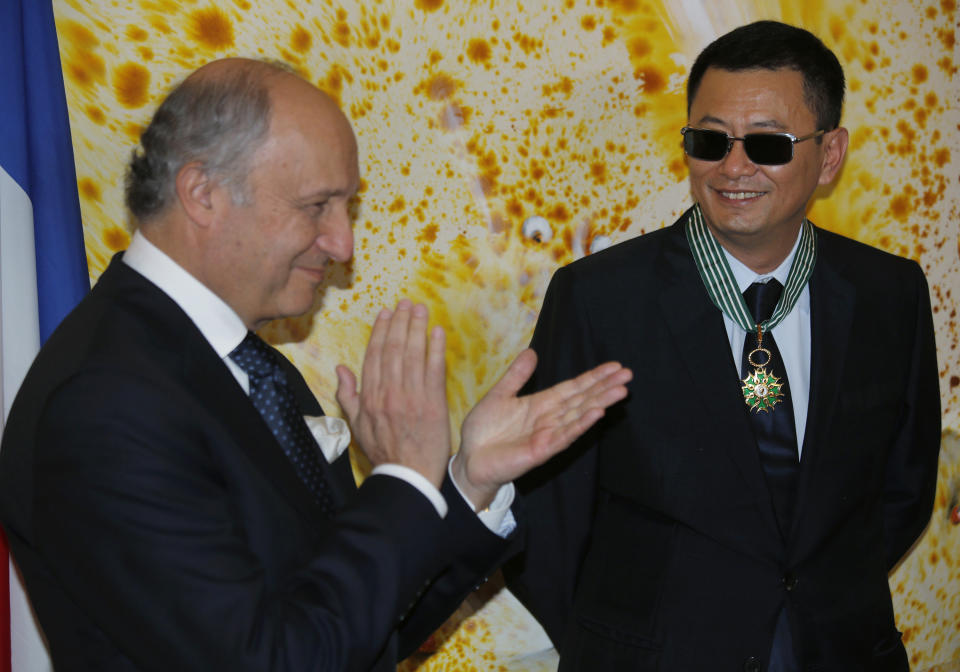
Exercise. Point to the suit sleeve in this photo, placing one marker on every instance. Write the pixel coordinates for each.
(135, 516)
(477, 553)
(911, 470)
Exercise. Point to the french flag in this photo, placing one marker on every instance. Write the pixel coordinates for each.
(43, 266)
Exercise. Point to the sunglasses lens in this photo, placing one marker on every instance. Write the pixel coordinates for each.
(768, 149)
(705, 145)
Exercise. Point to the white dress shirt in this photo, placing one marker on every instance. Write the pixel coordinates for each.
(224, 330)
(792, 335)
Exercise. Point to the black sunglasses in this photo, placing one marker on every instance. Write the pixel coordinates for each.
(767, 149)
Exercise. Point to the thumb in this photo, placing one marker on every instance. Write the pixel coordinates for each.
(347, 395)
(516, 375)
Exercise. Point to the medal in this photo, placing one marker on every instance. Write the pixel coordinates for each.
(761, 389)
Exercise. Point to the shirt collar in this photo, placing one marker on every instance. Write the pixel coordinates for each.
(745, 276)
(217, 321)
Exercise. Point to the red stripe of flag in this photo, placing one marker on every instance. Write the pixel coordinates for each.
(5, 650)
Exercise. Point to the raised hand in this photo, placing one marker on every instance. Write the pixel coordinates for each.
(504, 435)
(400, 413)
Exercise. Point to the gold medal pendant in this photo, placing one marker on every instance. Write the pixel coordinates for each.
(761, 390)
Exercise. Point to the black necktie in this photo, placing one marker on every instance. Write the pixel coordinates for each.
(273, 399)
(775, 429)
(777, 442)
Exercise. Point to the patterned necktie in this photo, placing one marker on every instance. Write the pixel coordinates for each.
(775, 429)
(273, 399)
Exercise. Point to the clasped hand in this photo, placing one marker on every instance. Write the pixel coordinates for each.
(400, 414)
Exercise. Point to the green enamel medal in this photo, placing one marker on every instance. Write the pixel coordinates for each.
(761, 389)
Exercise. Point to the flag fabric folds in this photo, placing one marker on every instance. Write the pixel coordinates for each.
(43, 268)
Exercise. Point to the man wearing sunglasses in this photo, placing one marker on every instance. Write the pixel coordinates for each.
(777, 454)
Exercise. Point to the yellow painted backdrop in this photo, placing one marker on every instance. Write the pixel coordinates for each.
(473, 117)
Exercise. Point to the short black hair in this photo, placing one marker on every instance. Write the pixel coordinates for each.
(771, 45)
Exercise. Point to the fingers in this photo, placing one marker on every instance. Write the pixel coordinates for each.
(436, 371)
(347, 395)
(601, 386)
(370, 374)
(415, 350)
(400, 356)
(396, 345)
(563, 435)
(577, 413)
(516, 375)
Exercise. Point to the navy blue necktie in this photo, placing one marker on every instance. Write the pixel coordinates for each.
(776, 436)
(273, 399)
(775, 429)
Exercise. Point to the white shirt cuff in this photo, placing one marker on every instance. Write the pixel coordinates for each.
(417, 480)
(497, 517)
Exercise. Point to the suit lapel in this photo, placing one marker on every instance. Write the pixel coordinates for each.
(212, 384)
(697, 330)
(832, 300)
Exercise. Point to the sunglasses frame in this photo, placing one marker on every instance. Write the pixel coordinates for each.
(731, 139)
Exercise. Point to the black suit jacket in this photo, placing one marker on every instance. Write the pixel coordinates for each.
(159, 526)
(652, 544)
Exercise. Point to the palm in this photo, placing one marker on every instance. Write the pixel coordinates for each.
(504, 435)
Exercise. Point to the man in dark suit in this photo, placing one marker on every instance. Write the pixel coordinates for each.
(161, 488)
(777, 454)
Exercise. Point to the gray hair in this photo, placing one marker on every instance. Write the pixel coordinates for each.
(219, 121)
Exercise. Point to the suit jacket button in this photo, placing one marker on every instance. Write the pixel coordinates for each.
(790, 581)
(751, 664)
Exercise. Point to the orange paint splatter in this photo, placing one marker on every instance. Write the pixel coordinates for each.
(653, 81)
(211, 28)
(429, 234)
(900, 207)
(88, 189)
(130, 84)
(95, 114)
(136, 33)
(116, 239)
(440, 87)
(301, 40)
(81, 63)
(478, 50)
(598, 170)
(639, 47)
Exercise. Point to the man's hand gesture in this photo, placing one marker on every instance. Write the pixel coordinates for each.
(504, 435)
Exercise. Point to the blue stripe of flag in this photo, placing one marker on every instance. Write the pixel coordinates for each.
(36, 150)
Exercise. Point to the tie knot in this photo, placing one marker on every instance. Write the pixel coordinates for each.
(761, 299)
(254, 357)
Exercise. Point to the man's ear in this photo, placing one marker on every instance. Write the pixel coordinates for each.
(196, 192)
(835, 148)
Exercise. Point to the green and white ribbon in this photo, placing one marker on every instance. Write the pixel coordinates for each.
(722, 286)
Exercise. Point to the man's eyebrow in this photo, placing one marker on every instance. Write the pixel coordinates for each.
(711, 120)
(324, 194)
(765, 123)
(768, 123)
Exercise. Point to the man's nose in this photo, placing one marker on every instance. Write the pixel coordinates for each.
(337, 239)
(736, 162)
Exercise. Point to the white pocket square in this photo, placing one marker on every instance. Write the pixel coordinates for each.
(331, 434)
